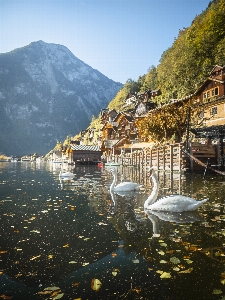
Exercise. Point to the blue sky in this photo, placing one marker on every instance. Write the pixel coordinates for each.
(120, 38)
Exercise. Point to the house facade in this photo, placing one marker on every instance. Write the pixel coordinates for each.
(211, 95)
(86, 154)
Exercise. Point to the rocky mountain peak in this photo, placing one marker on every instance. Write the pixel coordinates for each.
(47, 93)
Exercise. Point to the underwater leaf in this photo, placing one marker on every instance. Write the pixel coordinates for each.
(174, 260)
(163, 261)
(161, 252)
(76, 283)
(176, 269)
(35, 257)
(222, 281)
(188, 261)
(135, 261)
(44, 292)
(114, 273)
(186, 271)
(165, 275)
(217, 292)
(5, 297)
(59, 296)
(96, 284)
(163, 244)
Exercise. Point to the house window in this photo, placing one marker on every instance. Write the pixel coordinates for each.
(205, 95)
(216, 91)
(214, 110)
(208, 94)
(201, 115)
(213, 92)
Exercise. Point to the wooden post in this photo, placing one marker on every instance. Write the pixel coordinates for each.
(191, 160)
(171, 157)
(150, 163)
(179, 158)
(164, 158)
(157, 162)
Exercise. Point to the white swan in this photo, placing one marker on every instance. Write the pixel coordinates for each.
(123, 186)
(173, 203)
(65, 175)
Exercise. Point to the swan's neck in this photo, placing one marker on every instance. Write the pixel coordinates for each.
(152, 198)
(114, 206)
(155, 223)
(114, 182)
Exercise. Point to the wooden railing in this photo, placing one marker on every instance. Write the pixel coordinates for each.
(171, 157)
(167, 157)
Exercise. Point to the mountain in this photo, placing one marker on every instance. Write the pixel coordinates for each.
(47, 93)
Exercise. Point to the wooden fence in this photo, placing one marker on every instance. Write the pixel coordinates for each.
(170, 157)
(167, 157)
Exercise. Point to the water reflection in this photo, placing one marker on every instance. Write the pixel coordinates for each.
(66, 233)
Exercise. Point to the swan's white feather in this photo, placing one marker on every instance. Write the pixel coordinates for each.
(123, 186)
(172, 203)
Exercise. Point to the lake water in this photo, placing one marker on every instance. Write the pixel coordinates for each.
(74, 240)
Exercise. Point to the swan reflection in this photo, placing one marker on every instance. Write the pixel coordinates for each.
(174, 217)
(113, 205)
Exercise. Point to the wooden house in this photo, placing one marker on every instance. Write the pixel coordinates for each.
(86, 154)
(131, 99)
(126, 127)
(121, 130)
(211, 95)
(108, 115)
(142, 108)
(111, 147)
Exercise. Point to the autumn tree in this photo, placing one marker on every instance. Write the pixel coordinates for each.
(170, 120)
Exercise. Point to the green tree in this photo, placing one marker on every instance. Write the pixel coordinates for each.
(130, 86)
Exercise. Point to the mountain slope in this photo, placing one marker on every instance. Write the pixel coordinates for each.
(187, 63)
(46, 93)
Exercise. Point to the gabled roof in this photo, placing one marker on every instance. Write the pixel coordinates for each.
(110, 143)
(216, 67)
(204, 83)
(129, 117)
(85, 148)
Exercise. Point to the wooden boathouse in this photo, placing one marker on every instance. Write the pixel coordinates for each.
(86, 155)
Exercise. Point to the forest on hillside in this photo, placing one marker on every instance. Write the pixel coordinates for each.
(187, 63)
(182, 69)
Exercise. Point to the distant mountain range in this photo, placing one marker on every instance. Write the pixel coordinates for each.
(47, 93)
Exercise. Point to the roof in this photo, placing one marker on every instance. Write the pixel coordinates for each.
(110, 143)
(208, 79)
(138, 145)
(85, 148)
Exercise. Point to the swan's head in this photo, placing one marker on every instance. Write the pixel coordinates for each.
(113, 170)
(150, 171)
